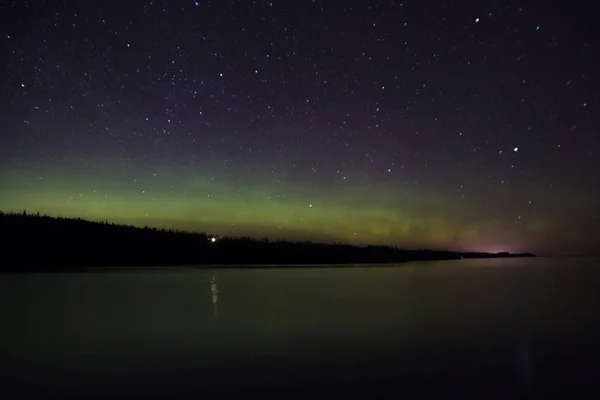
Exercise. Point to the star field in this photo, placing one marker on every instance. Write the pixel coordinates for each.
(441, 124)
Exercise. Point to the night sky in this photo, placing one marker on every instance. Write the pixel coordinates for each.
(467, 125)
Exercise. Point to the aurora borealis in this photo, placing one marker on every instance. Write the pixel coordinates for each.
(462, 125)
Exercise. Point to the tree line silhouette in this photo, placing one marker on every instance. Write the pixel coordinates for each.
(43, 243)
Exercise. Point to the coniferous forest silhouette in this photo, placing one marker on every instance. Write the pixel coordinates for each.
(45, 243)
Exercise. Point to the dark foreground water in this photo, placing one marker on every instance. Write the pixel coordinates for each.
(501, 328)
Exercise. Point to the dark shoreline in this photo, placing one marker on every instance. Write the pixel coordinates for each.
(48, 244)
(162, 268)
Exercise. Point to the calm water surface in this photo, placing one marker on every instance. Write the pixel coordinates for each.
(525, 328)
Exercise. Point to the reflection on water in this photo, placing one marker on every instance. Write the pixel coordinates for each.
(451, 329)
(214, 290)
(525, 364)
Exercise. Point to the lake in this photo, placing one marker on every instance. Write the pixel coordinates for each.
(498, 328)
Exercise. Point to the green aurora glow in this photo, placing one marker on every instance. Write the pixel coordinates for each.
(260, 206)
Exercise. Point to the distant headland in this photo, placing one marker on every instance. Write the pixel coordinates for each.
(34, 242)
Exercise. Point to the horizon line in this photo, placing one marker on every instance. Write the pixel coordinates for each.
(37, 214)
